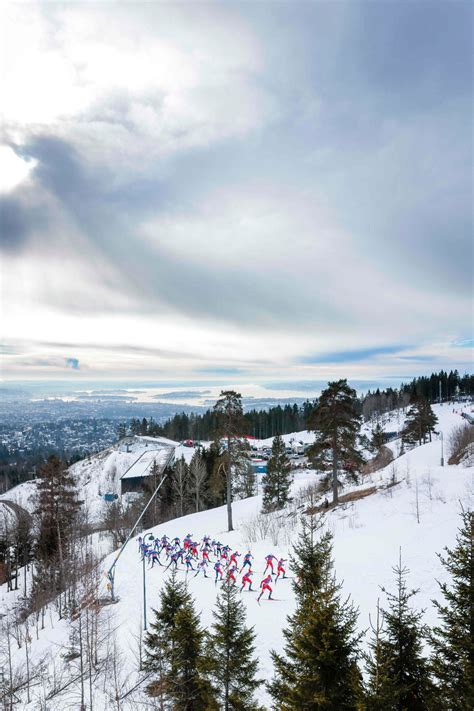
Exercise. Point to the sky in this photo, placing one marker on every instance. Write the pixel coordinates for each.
(193, 192)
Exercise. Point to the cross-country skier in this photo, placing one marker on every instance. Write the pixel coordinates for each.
(174, 557)
(154, 557)
(265, 585)
(233, 559)
(247, 578)
(247, 561)
(219, 571)
(189, 562)
(281, 569)
(269, 558)
(231, 571)
(202, 568)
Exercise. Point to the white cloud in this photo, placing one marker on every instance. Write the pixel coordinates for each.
(229, 197)
(13, 170)
(134, 83)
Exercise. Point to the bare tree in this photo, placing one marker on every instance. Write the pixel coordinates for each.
(179, 482)
(197, 477)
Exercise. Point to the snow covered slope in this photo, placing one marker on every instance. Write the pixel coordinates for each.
(418, 514)
(101, 473)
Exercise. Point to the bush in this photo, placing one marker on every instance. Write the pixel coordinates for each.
(460, 443)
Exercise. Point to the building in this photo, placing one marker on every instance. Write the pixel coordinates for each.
(154, 456)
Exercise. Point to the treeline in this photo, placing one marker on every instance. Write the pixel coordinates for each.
(262, 424)
(427, 387)
(322, 666)
(257, 423)
(17, 467)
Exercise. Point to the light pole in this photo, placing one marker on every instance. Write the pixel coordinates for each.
(111, 572)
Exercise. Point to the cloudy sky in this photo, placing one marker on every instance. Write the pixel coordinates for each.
(252, 191)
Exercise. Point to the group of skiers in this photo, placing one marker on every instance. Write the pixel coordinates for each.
(196, 556)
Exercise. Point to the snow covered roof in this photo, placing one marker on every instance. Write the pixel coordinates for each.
(143, 465)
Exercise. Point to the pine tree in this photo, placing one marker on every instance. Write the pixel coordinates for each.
(231, 426)
(277, 480)
(57, 509)
(231, 651)
(173, 596)
(453, 640)
(336, 424)
(379, 687)
(420, 422)
(378, 437)
(405, 682)
(319, 670)
(174, 651)
(215, 464)
(244, 481)
(122, 430)
(187, 686)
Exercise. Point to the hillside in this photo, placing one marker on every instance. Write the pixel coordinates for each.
(100, 473)
(418, 513)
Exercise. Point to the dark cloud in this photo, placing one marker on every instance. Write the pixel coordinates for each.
(18, 222)
(150, 274)
(374, 121)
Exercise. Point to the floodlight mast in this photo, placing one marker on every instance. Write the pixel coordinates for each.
(110, 573)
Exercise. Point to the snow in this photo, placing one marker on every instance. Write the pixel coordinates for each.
(419, 515)
(23, 495)
(143, 465)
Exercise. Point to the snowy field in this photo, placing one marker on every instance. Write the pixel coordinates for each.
(419, 515)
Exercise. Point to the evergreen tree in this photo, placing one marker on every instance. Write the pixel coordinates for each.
(215, 464)
(231, 651)
(173, 596)
(405, 682)
(135, 426)
(174, 651)
(277, 480)
(186, 683)
(122, 430)
(336, 424)
(420, 422)
(380, 689)
(231, 426)
(319, 670)
(57, 509)
(453, 639)
(243, 475)
(378, 437)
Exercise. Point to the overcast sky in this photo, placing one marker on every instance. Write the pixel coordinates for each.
(244, 190)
